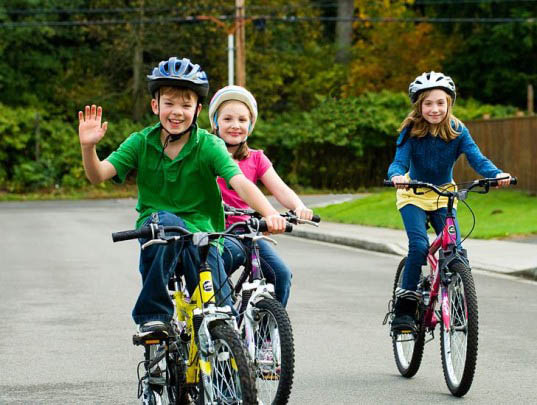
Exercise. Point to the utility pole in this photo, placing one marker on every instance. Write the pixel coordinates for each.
(240, 62)
(530, 99)
(230, 31)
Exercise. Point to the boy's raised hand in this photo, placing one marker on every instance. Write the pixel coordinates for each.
(90, 130)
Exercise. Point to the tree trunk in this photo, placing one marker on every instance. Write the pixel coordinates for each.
(345, 10)
(138, 101)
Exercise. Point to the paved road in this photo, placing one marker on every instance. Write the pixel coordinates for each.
(67, 291)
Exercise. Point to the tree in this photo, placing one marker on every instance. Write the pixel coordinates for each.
(492, 62)
(387, 54)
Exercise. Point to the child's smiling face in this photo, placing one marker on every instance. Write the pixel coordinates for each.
(434, 106)
(233, 122)
(176, 109)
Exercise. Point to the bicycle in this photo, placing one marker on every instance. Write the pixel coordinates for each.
(202, 358)
(263, 321)
(448, 298)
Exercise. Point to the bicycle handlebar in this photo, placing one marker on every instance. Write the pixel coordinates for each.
(290, 215)
(146, 232)
(152, 231)
(486, 182)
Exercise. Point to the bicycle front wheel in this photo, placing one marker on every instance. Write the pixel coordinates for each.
(231, 377)
(407, 347)
(459, 343)
(274, 353)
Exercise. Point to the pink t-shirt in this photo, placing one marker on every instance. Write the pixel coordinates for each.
(253, 167)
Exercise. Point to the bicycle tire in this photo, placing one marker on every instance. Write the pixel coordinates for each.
(178, 394)
(408, 352)
(232, 378)
(273, 385)
(463, 316)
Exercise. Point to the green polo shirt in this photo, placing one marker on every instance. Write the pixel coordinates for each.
(185, 186)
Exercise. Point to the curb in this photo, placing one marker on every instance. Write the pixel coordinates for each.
(394, 249)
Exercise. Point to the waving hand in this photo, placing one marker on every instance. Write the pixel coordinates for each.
(90, 130)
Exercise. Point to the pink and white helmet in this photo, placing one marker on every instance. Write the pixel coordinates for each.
(227, 93)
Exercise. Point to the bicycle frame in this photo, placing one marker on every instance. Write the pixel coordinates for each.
(198, 312)
(446, 245)
(194, 315)
(253, 291)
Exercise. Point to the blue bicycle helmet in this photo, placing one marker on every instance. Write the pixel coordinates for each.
(176, 72)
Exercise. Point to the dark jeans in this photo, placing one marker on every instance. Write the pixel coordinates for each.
(415, 220)
(273, 267)
(157, 264)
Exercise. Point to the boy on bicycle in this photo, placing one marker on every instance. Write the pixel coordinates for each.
(177, 166)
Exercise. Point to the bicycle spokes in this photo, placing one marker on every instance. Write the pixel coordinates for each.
(455, 338)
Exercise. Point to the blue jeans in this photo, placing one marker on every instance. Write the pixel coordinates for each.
(415, 220)
(157, 264)
(273, 267)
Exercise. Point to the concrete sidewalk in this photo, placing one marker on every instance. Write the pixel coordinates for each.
(511, 258)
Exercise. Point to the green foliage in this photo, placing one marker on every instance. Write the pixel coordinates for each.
(39, 152)
(492, 62)
(471, 110)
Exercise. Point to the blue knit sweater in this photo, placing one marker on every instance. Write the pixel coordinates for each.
(430, 159)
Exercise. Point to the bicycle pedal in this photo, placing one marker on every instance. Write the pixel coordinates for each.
(148, 338)
(156, 380)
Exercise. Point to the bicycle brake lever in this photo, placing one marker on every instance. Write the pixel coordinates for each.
(305, 221)
(258, 237)
(159, 241)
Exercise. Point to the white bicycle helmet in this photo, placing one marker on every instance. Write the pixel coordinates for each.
(232, 93)
(431, 80)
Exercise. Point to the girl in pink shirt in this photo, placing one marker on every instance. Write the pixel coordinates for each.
(233, 114)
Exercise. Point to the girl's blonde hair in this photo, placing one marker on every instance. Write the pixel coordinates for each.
(242, 151)
(448, 129)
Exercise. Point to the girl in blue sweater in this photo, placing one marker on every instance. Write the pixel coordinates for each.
(430, 141)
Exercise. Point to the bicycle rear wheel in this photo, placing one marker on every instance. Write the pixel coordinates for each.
(459, 344)
(274, 353)
(231, 379)
(407, 347)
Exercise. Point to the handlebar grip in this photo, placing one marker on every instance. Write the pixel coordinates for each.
(144, 232)
(387, 183)
(316, 218)
(263, 226)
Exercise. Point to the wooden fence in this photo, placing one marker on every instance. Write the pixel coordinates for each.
(511, 143)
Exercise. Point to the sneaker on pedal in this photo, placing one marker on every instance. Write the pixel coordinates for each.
(405, 316)
(154, 329)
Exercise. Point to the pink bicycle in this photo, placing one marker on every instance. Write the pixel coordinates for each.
(448, 298)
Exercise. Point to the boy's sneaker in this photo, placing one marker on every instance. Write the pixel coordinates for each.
(154, 329)
(405, 316)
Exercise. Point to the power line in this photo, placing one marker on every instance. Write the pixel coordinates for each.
(286, 19)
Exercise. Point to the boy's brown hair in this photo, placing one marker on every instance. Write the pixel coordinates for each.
(182, 92)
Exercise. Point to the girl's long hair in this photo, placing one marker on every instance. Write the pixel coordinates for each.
(448, 129)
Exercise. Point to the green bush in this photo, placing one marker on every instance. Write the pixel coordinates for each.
(341, 144)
